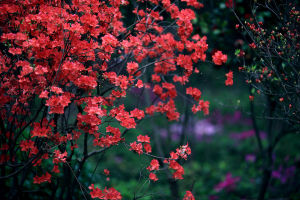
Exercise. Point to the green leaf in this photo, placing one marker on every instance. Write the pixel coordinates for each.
(237, 52)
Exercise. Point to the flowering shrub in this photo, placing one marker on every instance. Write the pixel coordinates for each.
(66, 68)
(274, 69)
(273, 73)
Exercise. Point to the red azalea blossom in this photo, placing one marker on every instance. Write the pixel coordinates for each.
(194, 92)
(188, 196)
(153, 177)
(202, 106)
(229, 80)
(139, 84)
(219, 58)
(148, 148)
(59, 157)
(143, 138)
(106, 172)
(106, 194)
(154, 165)
(251, 98)
(252, 45)
(132, 67)
(41, 179)
(137, 147)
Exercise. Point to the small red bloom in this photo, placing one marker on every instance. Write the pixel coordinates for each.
(229, 80)
(194, 92)
(136, 147)
(59, 157)
(132, 67)
(106, 172)
(139, 84)
(219, 58)
(153, 177)
(154, 165)
(281, 99)
(55, 169)
(41, 179)
(148, 148)
(251, 98)
(188, 196)
(142, 138)
(252, 45)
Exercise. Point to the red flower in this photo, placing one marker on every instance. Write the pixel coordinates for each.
(229, 80)
(15, 51)
(142, 138)
(55, 169)
(136, 147)
(56, 90)
(281, 99)
(132, 67)
(58, 103)
(106, 172)
(229, 3)
(188, 196)
(139, 114)
(195, 92)
(252, 45)
(219, 58)
(202, 106)
(147, 148)
(86, 82)
(179, 171)
(251, 98)
(106, 194)
(156, 78)
(154, 165)
(139, 84)
(59, 157)
(44, 178)
(44, 94)
(153, 177)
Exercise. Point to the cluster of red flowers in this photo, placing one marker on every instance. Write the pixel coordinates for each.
(194, 92)
(143, 141)
(229, 80)
(105, 194)
(181, 152)
(41, 179)
(154, 165)
(65, 67)
(202, 106)
(188, 196)
(219, 58)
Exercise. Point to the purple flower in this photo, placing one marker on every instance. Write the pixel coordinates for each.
(250, 158)
(228, 183)
(204, 127)
(276, 174)
(283, 174)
